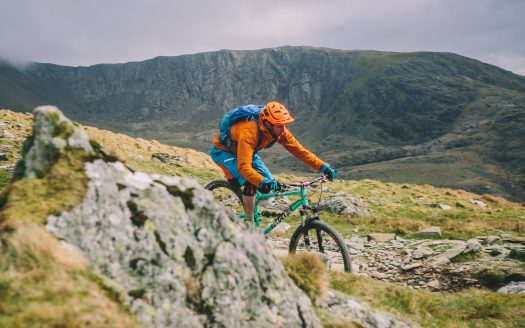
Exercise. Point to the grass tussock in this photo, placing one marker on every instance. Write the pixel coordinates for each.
(46, 285)
(308, 272)
(469, 308)
(62, 188)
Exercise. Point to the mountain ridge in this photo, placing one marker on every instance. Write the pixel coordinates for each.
(356, 109)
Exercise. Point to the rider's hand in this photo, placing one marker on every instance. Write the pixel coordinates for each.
(268, 185)
(328, 171)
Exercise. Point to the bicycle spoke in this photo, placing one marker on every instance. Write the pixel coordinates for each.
(327, 245)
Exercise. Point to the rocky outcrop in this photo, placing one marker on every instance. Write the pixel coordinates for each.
(346, 205)
(176, 258)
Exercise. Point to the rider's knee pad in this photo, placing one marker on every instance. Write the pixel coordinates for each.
(249, 189)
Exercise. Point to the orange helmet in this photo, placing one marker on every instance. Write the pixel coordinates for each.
(275, 113)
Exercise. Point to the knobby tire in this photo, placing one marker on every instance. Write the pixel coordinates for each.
(317, 226)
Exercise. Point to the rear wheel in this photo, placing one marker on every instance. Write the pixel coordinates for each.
(319, 238)
(225, 194)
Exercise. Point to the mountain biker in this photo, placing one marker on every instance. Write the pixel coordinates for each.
(240, 162)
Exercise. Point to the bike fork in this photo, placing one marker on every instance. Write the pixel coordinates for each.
(305, 231)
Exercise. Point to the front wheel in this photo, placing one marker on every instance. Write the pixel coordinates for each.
(319, 238)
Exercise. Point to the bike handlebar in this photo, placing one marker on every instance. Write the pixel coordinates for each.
(303, 184)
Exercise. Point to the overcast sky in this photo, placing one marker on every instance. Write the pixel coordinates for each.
(87, 32)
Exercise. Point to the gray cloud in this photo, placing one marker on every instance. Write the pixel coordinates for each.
(90, 32)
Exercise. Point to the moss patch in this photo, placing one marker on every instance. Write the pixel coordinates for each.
(43, 284)
(33, 200)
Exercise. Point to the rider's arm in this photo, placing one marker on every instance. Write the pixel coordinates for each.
(246, 143)
(295, 148)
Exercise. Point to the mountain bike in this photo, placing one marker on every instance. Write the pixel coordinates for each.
(312, 235)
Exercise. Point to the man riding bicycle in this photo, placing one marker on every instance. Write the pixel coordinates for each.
(242, 165)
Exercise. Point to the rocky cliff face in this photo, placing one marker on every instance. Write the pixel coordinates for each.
(171, 255)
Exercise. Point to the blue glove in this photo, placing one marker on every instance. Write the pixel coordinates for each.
(268, 185)
(328, 171)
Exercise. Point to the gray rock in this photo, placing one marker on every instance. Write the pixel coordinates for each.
(513, 239)
(473, 246)
(381, 237)
(515, 287)
(164, 237)
(477, 203)
(441, 207)
(457, 248)
(422, 252)
(167, 158)
(491, 240)
(431, 232)
(411, 266)
(346, 205)
(9, 167)
(53, 134)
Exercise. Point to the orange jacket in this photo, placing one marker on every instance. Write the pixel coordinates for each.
(245, 135)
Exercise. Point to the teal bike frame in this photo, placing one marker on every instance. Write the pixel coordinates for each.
(302, 202)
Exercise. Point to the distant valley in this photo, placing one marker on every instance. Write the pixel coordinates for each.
(436, 118)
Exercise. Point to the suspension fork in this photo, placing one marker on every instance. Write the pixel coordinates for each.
(306, 238)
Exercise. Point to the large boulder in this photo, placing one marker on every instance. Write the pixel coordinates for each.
(346, 205)
(174, 256)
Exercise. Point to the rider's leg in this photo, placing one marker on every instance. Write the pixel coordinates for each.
(249, 204)
(248, 200)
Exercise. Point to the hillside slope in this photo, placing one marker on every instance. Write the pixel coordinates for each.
(420, 117)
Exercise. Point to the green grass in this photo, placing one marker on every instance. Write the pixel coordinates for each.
(469, 308)
(408, 209)
(5, 177)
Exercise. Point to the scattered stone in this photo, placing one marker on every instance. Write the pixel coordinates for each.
(381, 237)
(491, 240)
(346, 205)
(411, 266)
(167, 158)
(512, 239)
(477, 203)
(8, 134)
(378, 275)
(432, 232)
(10, 167)
(422, 252)
(473, 246)
(515, 287)
(441, 207)
(3, 156)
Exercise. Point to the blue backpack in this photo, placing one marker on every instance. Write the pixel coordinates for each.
(247, 112)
